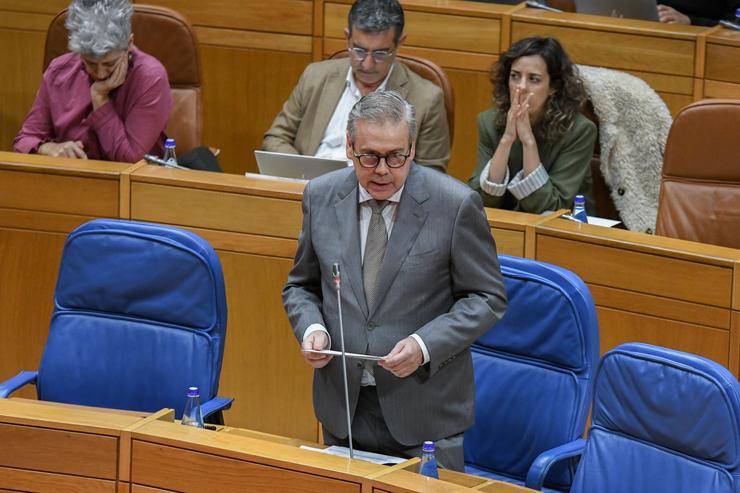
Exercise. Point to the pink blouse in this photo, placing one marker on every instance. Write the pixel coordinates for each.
(129, 125)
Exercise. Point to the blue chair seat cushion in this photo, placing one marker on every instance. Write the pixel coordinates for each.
(615, 463)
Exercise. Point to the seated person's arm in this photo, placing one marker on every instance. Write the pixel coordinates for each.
(280, 137)
(433, 140)
(127, 138)
(37, 127)
(486, 143)
(566, 174)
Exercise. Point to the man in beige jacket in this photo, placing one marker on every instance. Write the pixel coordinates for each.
(313, 121)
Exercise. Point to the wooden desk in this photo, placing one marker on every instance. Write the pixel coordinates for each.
(50, 448)
(663, 291)
(722, 69)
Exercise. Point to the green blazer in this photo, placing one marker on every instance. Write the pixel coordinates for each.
(300, 125)
(567, 162)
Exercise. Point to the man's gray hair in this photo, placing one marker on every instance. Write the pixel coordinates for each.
(381, 107)
(97, 27)
(376, 16)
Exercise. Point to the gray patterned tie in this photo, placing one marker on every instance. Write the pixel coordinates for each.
(377, 238)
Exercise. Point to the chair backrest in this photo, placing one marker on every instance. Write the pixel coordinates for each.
(663, 420)
(430, 71)
(700, 186)
(169, 37)
(140, 315)
(533, 372)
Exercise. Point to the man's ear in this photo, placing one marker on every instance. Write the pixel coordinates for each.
(401, 40)
(412, 152)
(348, 146)
(346, 33)
(131, 41)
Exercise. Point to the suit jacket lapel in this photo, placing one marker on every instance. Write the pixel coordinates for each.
(330, 96)
(410, 218)
(348, 226)
(399, 80)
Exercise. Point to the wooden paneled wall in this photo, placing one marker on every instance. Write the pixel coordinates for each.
(254, 51)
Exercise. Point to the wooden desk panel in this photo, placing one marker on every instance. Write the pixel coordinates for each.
(59, 451)
(449, 30)
(22, 37)
(722, 64)
(244, 88)
(657, 290)
(50, 448)
(281, 16)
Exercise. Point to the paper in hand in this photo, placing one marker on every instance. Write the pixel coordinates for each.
(331, 352)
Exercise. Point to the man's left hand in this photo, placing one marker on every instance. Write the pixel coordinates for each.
(404, 359)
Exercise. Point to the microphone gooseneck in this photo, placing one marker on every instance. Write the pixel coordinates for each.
(337, 278)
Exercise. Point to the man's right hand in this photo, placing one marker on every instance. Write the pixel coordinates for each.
(71, 148)
(316, 340)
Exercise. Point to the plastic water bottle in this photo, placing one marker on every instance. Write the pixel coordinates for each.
(192, 415)
(579, 209)
(169, 152)
(428, 466)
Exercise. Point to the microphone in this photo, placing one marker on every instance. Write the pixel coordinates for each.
(167, 164)
(337, 278)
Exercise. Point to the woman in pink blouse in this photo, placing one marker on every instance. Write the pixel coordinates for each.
(105, 99)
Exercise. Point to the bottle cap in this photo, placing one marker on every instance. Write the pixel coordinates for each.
(193, 392)
(428, 446)
(580, 199)
(169, 143)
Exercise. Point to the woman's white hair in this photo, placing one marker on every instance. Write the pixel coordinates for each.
(97, 27)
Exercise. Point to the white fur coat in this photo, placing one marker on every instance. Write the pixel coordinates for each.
(633, 129)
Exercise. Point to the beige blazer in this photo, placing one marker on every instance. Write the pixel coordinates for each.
(300, 125)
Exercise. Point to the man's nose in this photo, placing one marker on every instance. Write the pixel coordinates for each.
(368, 63)
(382, 167)
(101, 72)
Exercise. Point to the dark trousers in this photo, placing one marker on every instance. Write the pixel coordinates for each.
(370, 433)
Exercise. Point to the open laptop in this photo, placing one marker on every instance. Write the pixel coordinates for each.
(295, 165)
(629, 9)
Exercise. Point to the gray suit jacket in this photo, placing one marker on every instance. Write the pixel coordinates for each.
(300, 125)
(440, 279)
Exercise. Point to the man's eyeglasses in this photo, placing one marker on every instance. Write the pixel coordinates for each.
(392, 160)
(378, 55)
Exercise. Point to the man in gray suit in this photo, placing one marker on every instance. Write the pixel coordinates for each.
(421, 282)
(313, 120)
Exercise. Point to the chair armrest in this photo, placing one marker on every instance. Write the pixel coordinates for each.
(216, 404)
(9, 386)
(542, 464)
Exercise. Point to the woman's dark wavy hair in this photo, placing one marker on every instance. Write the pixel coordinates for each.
(568, 92)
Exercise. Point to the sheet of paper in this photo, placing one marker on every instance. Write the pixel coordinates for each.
(359, 454)
(596, 221)
(339, 353)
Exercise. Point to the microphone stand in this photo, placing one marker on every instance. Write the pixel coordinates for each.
(335, 273)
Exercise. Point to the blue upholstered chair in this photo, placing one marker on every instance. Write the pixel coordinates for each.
(663, 420)
(533, 373)
(139, 315)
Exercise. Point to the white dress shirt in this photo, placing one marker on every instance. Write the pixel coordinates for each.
(333, 144)
(389, 216)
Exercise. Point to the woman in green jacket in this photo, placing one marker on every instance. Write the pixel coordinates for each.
(534, 147)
